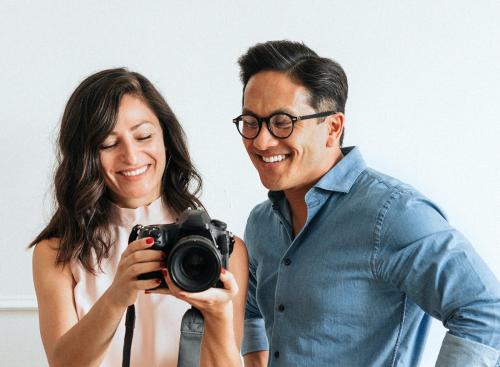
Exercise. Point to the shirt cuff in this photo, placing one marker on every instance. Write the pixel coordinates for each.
(254, 336)
(457, 351)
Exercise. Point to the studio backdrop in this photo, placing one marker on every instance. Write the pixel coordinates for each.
(423, 106)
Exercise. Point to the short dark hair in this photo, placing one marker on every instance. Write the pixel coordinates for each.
(324, 78)
(83, 204)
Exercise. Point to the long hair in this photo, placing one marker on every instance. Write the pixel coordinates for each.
(82, 210)
(324, 78)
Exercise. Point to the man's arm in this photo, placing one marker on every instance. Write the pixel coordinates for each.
(439, 270)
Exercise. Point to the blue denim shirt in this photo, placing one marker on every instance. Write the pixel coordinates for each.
(356, 286)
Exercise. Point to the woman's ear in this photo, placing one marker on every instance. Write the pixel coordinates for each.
(335, 126)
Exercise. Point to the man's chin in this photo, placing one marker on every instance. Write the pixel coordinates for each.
(271, 185)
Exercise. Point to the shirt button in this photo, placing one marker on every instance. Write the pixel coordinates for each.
(276, 354)
(287, 261)
(281, 308)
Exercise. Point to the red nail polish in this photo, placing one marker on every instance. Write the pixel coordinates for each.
(165, 272)
(150, 240)
(222, 270)
(147, 291)
(158, 281)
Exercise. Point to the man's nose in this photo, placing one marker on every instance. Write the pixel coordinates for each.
(264, 140)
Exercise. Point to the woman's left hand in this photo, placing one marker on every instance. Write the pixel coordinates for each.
(211, 302)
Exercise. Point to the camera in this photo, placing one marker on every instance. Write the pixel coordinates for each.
(196, 248)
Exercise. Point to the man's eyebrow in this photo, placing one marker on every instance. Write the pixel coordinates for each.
(135, 127)
(247, 111)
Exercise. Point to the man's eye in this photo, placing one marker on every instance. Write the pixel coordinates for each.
(282, 124)
(250, 124)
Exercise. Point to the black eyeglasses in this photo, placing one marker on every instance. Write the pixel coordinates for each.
(279, 124)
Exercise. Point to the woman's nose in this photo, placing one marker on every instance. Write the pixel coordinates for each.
(130, 152)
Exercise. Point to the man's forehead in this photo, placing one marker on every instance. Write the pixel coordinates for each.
(273, 91)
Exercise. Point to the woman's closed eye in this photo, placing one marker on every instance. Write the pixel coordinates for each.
(111, 144)
(108, 145)
(145, 137)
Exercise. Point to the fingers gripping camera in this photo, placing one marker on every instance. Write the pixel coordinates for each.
(196, 248)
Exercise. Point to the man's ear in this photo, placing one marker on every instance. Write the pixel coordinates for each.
(335, 125)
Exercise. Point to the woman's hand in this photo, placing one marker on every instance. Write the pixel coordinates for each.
(222, 309)
(137, 259)
(213, 302)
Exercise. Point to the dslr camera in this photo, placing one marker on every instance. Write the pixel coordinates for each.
(196, 248)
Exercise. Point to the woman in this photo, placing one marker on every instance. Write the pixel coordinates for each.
(123, 160)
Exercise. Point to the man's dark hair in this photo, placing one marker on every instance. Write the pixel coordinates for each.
(322, 77)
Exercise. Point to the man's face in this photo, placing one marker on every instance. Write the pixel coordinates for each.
(297, 162)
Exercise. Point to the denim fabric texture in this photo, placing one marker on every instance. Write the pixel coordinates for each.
(358, 285)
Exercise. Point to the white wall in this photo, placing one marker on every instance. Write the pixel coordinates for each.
(423, 106)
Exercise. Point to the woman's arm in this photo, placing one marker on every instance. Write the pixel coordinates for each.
(223, 334)
(256, 359)
(72, 342)
(223, 312)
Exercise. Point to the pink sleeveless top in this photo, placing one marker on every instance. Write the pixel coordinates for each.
(158, 317)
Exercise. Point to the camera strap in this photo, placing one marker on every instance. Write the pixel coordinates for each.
(192, 328)
(191, 333)
(129, 334)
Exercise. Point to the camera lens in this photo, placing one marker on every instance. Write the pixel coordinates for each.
(194, 263)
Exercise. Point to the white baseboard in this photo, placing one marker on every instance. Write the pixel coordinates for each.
(18, 303)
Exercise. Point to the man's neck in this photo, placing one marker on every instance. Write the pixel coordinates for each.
(296, 198)
(298, 207)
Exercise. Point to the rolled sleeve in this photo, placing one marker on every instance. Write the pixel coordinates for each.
(457, 351)
(254, 336)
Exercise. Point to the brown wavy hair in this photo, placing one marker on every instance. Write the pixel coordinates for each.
(82, 201)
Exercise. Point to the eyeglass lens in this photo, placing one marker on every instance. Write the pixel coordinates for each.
(280, 125)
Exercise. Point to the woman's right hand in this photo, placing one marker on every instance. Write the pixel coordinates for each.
(137, 259)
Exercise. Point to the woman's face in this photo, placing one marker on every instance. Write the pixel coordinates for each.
(133, 155)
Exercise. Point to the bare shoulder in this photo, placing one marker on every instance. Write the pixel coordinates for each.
(46, 249)
(45, 265)
(240, 251)
(238, 264)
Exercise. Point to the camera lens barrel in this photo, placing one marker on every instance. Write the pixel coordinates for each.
(194, 263)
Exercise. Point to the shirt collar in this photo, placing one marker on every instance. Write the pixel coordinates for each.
(339, 178)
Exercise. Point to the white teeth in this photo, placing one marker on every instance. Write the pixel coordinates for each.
(274, 158)
(135, 172)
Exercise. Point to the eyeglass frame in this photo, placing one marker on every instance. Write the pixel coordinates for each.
(267, 120)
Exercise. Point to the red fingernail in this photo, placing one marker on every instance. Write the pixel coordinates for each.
(222, 270)
(158, 281)
(147, 291)
(150, 240)
(165, 272)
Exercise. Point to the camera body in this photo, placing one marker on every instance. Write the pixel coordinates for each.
(196, 248)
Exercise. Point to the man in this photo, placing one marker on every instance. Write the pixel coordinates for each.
(346, 264)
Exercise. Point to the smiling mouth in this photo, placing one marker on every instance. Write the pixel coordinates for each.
(275, 158)
(134, 172)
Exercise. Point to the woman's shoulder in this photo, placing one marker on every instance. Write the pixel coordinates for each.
(239, 244)
(239, 253)
(46, 265)
(46, 251)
